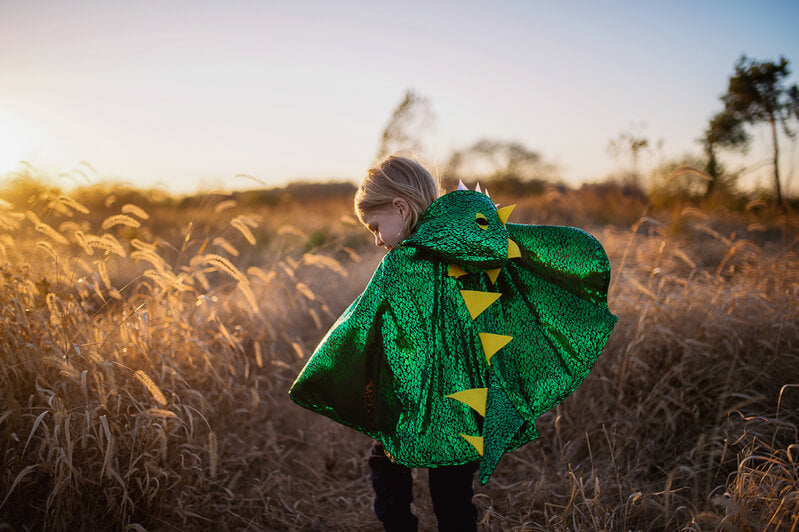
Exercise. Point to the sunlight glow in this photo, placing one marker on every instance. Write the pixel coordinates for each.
(17, 140)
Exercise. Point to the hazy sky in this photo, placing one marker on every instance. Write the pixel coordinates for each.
(189, 94)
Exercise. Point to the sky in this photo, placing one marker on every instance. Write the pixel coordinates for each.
(191, 95)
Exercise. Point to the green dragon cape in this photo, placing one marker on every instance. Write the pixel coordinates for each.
(468, 331)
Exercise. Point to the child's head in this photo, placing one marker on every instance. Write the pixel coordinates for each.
(392, 197)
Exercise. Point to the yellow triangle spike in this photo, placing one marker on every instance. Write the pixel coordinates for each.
(513, 250)
(477, 302)
(493, 274)
(504, 213)
(474, 398)
(476, 441)
(493, 343)
(455, 271)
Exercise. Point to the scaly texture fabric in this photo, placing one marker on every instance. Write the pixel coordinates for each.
(467, 332)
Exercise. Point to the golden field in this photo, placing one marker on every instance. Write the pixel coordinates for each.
(147, 344)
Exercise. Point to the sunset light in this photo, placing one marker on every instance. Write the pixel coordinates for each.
(423, 265)
(189, 94)
(17, 142)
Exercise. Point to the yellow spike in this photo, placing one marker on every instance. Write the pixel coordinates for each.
(476, 441)
(513, 249)
(493, 343)
(504, 212)
(493, 274)
(475, 398)
(455, 271)
(477, 302)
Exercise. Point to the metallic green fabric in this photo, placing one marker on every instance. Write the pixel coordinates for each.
(387, 365)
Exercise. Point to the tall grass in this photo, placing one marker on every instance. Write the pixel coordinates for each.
(146, 355)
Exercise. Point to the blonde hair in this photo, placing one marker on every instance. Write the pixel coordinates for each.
(397, 177)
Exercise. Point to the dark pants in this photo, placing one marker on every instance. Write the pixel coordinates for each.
(450, 489)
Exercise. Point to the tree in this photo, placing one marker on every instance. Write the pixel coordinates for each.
(498, 161)
(723, 131)
(402, 132)
(757, 94)
(633, 144)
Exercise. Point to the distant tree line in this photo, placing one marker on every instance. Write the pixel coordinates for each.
(757, 94)
(506, 163)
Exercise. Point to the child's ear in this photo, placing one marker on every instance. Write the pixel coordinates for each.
(402, 206)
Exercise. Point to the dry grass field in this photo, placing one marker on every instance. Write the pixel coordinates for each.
(146, 349)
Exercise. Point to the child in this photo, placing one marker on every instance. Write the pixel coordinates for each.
(468, 331)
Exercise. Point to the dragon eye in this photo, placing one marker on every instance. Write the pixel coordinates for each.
(481, 220)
